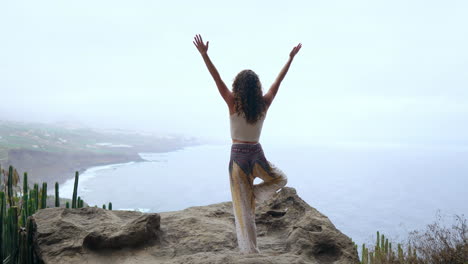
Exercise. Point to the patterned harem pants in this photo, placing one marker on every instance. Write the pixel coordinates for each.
(247, 162)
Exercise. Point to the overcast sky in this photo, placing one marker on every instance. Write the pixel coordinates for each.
(386, 71)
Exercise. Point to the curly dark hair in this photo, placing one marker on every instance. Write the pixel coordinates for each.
(248, 96)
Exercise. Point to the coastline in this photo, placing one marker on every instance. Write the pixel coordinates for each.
(51, 167)
(54, 152)
(66, 188)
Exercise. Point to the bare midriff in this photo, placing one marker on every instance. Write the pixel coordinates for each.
(244, 142)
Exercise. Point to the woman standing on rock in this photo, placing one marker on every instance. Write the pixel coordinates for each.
(247, 111)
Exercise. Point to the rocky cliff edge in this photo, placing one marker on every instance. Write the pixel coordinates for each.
(288, 229)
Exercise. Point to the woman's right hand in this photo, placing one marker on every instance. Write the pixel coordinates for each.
(198, 42)
(295, 50)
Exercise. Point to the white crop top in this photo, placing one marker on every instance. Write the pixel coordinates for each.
(243, 131)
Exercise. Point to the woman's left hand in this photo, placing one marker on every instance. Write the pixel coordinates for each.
(198, 42)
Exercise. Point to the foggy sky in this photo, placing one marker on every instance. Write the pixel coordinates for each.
(393, 71)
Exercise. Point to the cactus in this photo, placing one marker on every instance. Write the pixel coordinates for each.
(10, 186)
(44, 195)
(36, 196)
(39, 198)
(378, 240)
(16, 225)
(67, 205)
(80, 202)
(386, 246)
(30, 232)
(13, 232)
(364, 254)
(382, 252)
(2, 216)
(104, 206)
(32, 202)
(57, 198)
(25, 195)
(400, 253)
(22, 220)
(75, 190)
(110, 207)
(382, 242)
(23, 246)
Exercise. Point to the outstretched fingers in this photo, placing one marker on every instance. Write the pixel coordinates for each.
(296, 49)
(198, 42)
(197, 39)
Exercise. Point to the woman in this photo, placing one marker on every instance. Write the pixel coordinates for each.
(247, 111)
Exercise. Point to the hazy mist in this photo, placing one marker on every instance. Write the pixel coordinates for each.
(393, 72)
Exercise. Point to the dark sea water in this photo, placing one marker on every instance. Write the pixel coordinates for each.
(361, 188)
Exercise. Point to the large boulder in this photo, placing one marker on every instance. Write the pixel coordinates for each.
(288, 229)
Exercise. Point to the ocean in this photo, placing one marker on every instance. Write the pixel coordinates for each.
(393, 189)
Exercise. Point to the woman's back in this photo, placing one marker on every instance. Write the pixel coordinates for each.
(243, 131)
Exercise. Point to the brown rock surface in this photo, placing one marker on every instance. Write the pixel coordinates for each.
(289, 231)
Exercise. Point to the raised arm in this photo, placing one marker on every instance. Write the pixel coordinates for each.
(222, 88)
(270, 95)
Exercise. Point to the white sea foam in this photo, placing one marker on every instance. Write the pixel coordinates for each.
(143, 210)
(66, 190)
(112, 145)
(160, 157)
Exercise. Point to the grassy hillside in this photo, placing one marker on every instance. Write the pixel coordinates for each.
(54, 138)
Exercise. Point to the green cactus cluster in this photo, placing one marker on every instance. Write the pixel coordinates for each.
(382, 252)
(79, 202)
(16, 225)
